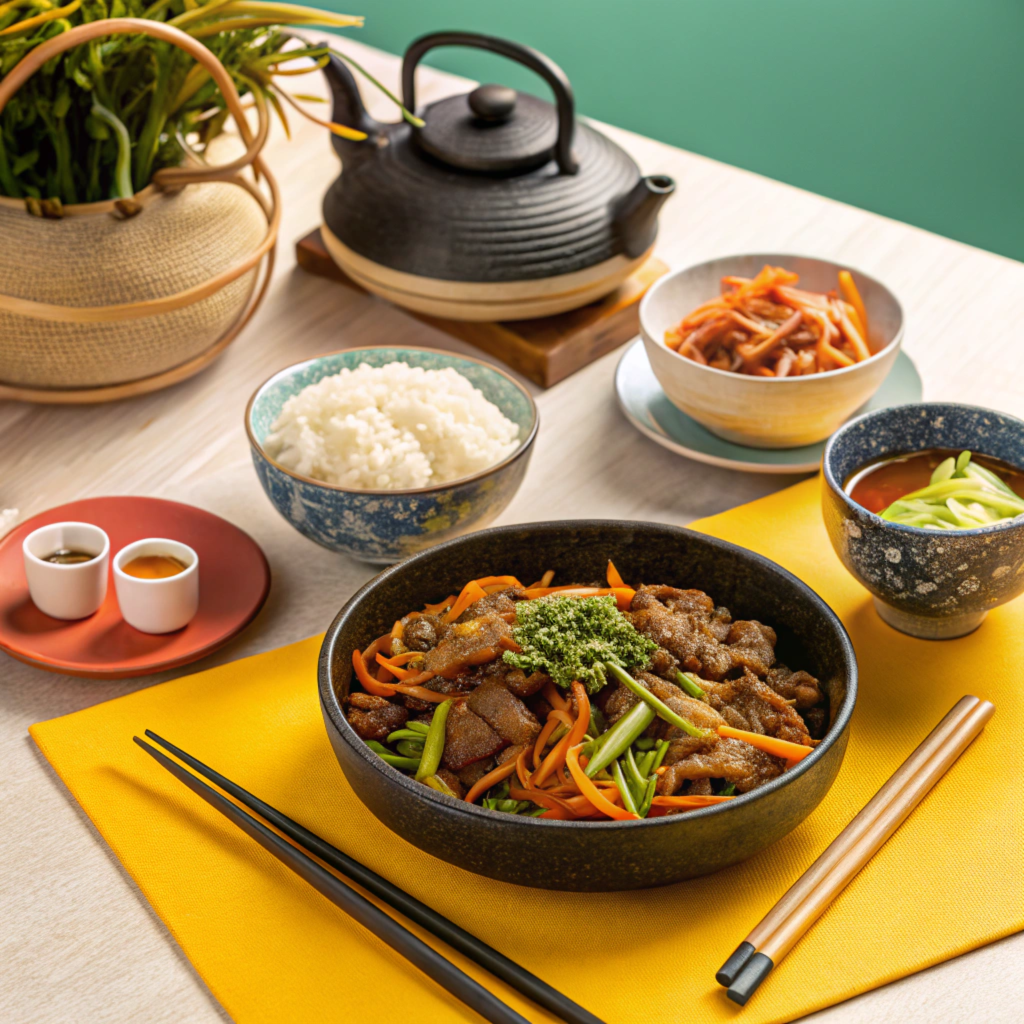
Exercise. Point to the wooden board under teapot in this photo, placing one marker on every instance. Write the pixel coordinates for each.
(544, 350)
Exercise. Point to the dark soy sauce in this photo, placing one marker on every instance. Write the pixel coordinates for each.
(69, 556)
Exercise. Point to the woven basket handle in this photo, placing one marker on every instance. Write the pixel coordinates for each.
(168, 177)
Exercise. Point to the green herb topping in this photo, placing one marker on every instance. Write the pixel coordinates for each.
(574, 638)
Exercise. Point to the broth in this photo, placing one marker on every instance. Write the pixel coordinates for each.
(154, 567)
(876, 485)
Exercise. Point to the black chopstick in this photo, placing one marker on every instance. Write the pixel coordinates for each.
(417, 952)
(469, 945)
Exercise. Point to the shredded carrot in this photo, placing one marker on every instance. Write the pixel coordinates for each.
(852, 295)
(381, 689)
(471, 592)
(555, 758)
(614, 579)
(591, 792)
(394, 665)
(491, 581)
(542, 740)
(696, 800)
(521, 769)
(769, 744)
(542, 798)
(397, 630)
(492, 778)
(369, 684)
(509, 644)
(545, 580)
(554, 698)
(434, 609)
(404, 658)
(579, 729)
(766, 326)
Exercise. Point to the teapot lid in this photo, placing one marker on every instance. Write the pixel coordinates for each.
(492, 129)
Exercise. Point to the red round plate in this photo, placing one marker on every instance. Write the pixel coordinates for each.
(234, 580)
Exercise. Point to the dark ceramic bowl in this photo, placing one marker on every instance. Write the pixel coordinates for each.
(595, 856)
(385, 526)
(934, 584)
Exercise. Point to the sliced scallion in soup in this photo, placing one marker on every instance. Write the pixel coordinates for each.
(940, 489)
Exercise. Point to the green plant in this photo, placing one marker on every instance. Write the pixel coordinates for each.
(98, 120)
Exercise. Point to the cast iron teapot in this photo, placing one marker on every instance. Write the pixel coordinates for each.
(502, 206)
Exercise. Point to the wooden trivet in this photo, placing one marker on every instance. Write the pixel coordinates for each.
(546, 350)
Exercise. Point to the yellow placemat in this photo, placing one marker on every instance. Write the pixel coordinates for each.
(272, 949)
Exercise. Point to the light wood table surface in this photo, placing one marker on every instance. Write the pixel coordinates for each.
(78, 942)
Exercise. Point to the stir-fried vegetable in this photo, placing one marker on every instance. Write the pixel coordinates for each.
(660, 707)
(572, 638)
(104, 116)
(765, 326)
(578, 766)
(961, 496)
(433, 743)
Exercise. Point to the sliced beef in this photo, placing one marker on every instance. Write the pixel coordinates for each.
(684, 601)
(684, 637)
(663, 664)
(733, 760)
(699, 637)
(468, 738)
(501, 602)
(696, 711)
(817, 721)
(374, 717)
(615, 700)
(467, 644)
(511, 753)
(699, 787)
(473, 773)
(421, 633)
(522, 685)
(800, 687)
(451, 781)
(747, 703)
(505, 713)
(752, 645)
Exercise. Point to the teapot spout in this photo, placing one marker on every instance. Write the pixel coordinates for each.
(636, 213)
(347, 107)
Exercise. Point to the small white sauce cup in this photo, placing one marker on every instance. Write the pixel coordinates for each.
(67, 591)
(157, 606)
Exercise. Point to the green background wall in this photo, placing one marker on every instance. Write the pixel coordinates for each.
(911, 108)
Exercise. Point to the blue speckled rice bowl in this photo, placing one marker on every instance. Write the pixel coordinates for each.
(385, 526)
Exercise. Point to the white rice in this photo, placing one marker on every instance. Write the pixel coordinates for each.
(390, 427)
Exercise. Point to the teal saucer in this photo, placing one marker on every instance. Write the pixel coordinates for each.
(649, 410)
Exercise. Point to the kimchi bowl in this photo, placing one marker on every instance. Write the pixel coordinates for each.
(765, 411)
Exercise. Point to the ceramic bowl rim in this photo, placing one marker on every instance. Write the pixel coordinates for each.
(521, 449)
(876, 520)
(329, 701)
(894, 343)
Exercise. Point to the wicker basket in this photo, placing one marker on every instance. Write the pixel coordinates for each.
(116, 299)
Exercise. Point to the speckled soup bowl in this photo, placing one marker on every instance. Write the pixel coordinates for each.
(934, 584)
(595, 856)
(384, 526)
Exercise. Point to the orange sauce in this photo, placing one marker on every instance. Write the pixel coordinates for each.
(154, 567)
(876, 485)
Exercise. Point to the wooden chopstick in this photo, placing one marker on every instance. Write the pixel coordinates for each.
(499, 965)
(807, 899)
(800, 889)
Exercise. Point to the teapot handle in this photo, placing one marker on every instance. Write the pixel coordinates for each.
(525, 55)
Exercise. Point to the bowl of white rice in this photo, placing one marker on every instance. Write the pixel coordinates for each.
(381, 452)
